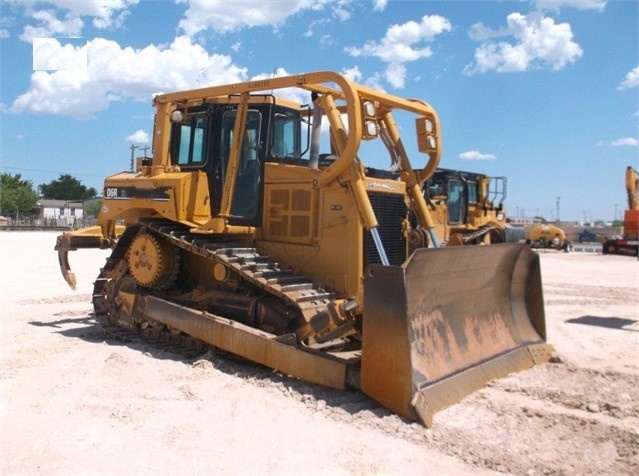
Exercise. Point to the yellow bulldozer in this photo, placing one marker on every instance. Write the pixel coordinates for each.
(466, 207)
(239, 233)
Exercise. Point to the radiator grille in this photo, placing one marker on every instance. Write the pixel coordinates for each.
(390, 210)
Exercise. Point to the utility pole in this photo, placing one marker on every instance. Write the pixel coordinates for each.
(558, 208)
(616, 205)
(133, 147)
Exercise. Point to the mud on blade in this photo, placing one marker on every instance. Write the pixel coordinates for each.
(448, 321)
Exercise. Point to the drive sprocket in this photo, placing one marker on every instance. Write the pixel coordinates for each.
(152, 261)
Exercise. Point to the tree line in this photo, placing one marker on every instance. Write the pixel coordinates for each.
(18, 195)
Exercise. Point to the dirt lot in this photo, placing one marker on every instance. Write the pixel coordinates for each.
(73, 403)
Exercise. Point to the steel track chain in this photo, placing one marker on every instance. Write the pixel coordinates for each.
(309, 297)
(245, 262)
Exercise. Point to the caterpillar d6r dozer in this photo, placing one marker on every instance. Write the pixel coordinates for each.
(239, 234)
(467, 208)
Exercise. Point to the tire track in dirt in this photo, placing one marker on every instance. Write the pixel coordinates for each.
(553, 419)
(83, 298)
(609, 393)
(565, 293)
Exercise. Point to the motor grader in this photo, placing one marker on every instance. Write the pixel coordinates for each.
(241, 233)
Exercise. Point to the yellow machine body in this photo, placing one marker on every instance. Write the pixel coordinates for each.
(547, 235)
(467, 207)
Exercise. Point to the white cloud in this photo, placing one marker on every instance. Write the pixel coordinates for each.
(539, 42)
(405, 42)
(63, 18)
(221, 16)
(631, 80)
(480, 32)
(626, 141)
(49, 25)
(113, 73)
(292, 94)
(138, 137)
(395, 74)
(354, 74)
(50, 55)
(375, 82)
(64, 92)
(578, 4)
(341, 12)
(103, 14)
(475, 155)
(379, 5)
(326, 41)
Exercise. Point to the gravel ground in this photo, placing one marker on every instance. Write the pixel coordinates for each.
(74, 403)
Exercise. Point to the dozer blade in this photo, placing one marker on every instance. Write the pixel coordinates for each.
(448, 321)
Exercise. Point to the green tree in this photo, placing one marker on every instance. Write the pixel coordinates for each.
(92, 208)
(66, 187)
(16, 194)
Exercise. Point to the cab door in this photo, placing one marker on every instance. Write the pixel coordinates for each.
(455, 201)
(247, 193)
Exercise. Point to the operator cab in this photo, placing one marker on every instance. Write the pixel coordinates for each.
(202, 139)
(456, 189)
(461, 191)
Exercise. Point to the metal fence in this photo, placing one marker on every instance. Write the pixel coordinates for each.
(35, 222)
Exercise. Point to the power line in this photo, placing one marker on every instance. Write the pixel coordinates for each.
(47, 171)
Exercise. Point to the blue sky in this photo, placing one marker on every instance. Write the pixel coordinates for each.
(543, 92)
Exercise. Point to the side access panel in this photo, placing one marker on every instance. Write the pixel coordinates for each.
(447, 321)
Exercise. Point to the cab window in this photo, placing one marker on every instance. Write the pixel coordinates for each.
(455, 204)
(286, 135)
(473, 192)
(190, 139)
(247, 183)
